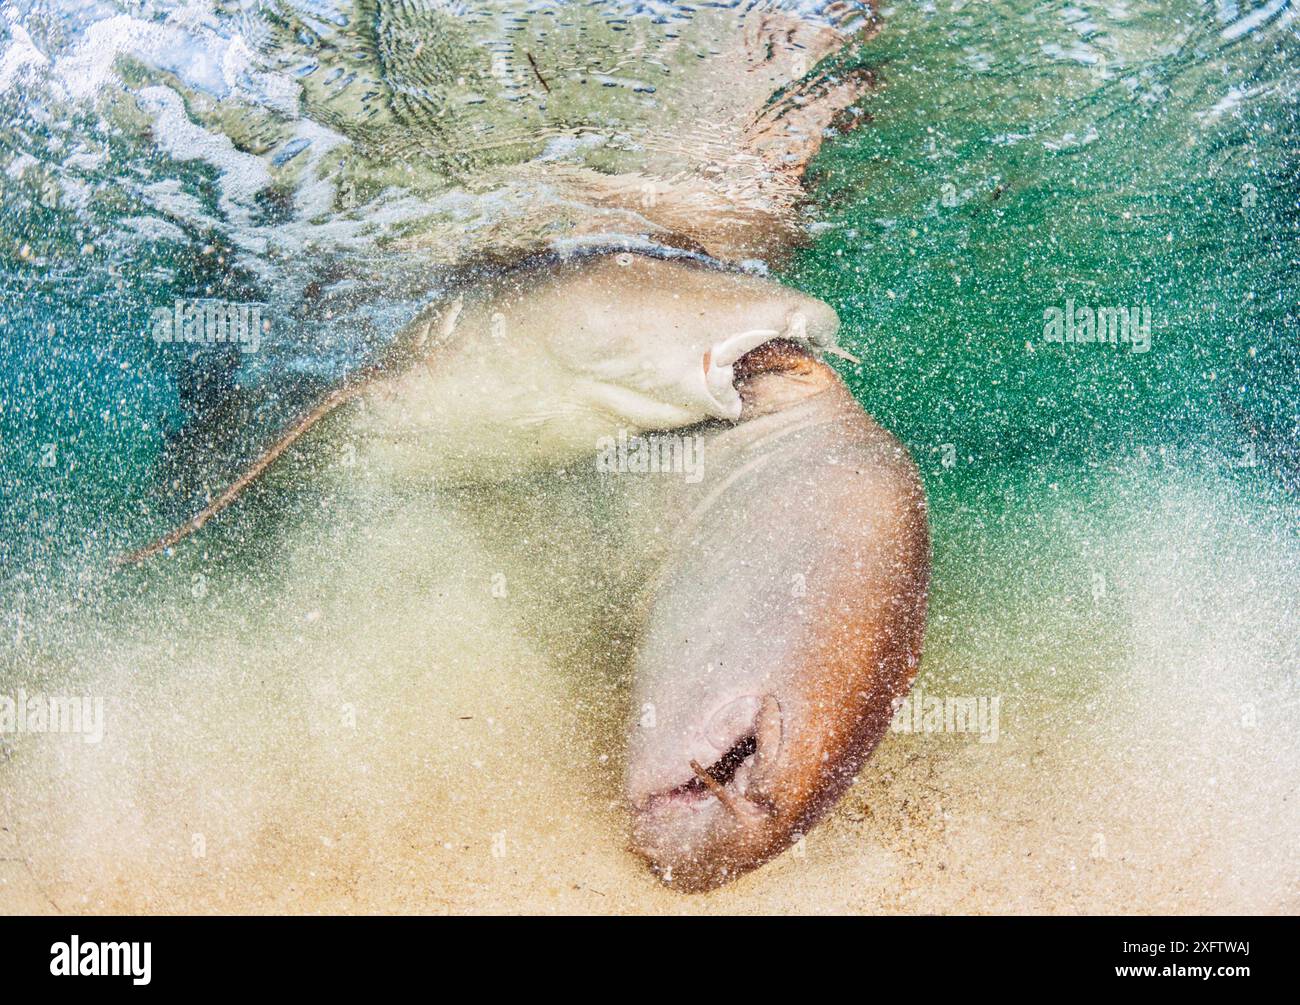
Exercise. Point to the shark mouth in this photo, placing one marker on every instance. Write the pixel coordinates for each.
(707, 782)
(727, 362)
(733, 778)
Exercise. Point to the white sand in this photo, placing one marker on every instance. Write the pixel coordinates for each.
(376, 732)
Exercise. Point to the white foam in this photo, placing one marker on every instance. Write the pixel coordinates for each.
(20, 54)
(241, 175)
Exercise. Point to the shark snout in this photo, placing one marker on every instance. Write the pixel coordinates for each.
(708, 811)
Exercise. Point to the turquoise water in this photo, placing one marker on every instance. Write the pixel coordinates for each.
(1117, 154)
(1021, 155)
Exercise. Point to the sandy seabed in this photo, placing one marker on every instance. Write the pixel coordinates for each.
(370, 729)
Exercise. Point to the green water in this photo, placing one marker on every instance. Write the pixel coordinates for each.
(996, 181)
(1020, 155)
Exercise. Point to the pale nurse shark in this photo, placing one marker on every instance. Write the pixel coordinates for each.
(781, 614)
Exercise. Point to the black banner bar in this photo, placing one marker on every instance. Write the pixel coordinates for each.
(340, 954)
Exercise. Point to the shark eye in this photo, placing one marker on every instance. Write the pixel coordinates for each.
(624, 259)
